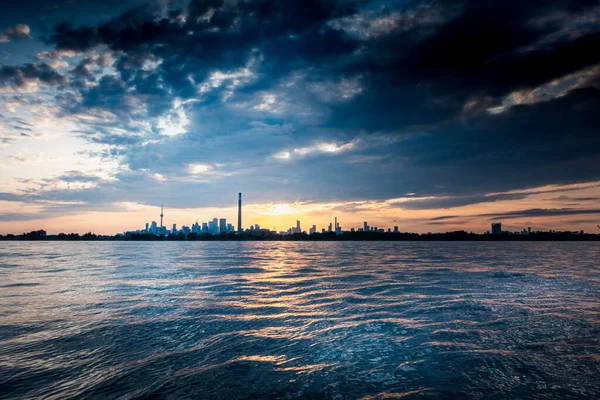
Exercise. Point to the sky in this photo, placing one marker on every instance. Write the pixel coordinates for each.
(432, 116)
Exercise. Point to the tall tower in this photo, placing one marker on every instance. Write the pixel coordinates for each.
(240, 212)
(161, 214)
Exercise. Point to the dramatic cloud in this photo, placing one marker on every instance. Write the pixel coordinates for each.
(540, 212)
(28, 77)
(461, 103)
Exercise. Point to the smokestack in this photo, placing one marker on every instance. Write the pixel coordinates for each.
(240, 212)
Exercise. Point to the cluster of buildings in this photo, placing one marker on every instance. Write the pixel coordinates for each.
(217, 226)
(214, 227)
(497, 230)
(337, 228)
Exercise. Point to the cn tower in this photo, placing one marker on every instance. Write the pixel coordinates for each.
(240, 212)
(161, 215)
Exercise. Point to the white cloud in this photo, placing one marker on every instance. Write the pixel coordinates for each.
(374, 24)
(267, 103)
(199, 169)
(175, 122)
(284, 155)
(53, 59)
(319, 147)
(231, 79)
(12, 106)
(326, 147)
(19, 31)
(548, 91)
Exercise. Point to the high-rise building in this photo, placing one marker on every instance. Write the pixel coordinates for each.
(204, 227)
(298, 227)
(496, 228)
(395, 229)
(213, 227)
(146, 227)
(365, 226)
(240, 212)
(222, 225)
(174, 229)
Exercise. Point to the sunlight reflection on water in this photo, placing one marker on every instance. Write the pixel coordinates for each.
(299, 320)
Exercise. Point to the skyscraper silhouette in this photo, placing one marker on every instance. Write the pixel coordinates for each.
(240, 212)
(497, 228)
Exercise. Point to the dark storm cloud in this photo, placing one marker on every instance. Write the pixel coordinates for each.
(554, 142)
(20, 77)
(528, 145)
(530, 213)
(489, 50)
(451, 202)
(541, 212)
(483, 50)
(211, 34)
(425, 72)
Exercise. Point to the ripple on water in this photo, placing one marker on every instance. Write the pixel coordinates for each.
(299, 320)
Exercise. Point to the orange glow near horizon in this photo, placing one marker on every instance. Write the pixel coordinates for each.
(281, 216)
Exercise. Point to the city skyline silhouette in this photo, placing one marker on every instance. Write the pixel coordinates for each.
(378, 111)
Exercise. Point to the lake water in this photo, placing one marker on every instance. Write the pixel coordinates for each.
(333, 320)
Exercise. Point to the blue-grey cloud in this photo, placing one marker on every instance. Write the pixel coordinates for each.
(541, 212)
(21, 76)
(529, 213)
(419, 86)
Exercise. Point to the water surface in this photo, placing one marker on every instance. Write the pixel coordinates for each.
(334, 320)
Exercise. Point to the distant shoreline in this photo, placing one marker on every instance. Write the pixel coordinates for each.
(462, 236)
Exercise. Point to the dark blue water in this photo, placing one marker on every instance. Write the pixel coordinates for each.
(234, 320)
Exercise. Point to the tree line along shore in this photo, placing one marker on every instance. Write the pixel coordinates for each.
(41, 235)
